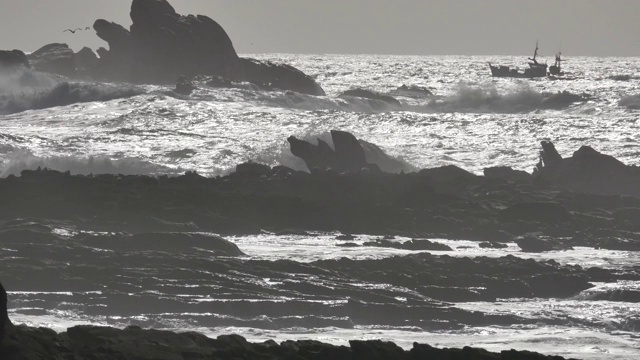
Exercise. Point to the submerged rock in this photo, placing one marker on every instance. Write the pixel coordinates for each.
(184, 86)
(372, 95)
(279, 76)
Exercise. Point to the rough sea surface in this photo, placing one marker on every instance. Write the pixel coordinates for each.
(470, 120)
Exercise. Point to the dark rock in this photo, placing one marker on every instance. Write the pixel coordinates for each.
(377, 350)
(54, 58)
(170, 242)
(374, 155)
(94, 342)
(347, 156)
(506, 173)
(413, 244)
(588, 171)
(549, 154)
(492, 245)
(218, 82)
(562, 99)
(447, 173)
(5, 322)
(253, 168)
(86, 61)
(162, 45)
(372, 95)
(184, 86)
(279, 76)
(413, 91)
(534, 244)
(546, 212)
(12, 59)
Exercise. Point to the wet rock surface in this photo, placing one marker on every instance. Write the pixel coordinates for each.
(90, 342)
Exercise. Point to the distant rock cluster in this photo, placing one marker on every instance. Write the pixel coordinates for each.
(159, 47)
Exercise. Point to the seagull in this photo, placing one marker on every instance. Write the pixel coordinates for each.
(72, 31)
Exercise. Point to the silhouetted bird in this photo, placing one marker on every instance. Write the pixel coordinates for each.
(72, 31)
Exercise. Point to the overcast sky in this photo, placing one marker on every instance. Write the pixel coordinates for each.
(429, 27)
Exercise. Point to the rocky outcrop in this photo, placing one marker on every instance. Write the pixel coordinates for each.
(86, 62)
(277, 76)
(12, 59)
(587, 171)
(347, 154)
(162, 45)
(5, 323)
(54, 58)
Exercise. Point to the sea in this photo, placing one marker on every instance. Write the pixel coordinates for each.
(452, 113)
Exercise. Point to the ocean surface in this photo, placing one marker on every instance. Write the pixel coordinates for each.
(466, 118)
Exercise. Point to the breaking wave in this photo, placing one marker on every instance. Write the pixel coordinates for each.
(64, 93)
(487, 99)
(25, 160)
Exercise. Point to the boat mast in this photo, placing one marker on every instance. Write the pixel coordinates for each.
(535, 54)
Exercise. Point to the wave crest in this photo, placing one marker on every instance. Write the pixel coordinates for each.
(486, 99)
(64, 93)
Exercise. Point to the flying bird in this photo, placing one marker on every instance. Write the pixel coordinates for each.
(72, 31)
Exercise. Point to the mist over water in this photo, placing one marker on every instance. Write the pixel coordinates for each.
(286, 286)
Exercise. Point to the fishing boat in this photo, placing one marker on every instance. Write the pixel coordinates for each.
(535, 69)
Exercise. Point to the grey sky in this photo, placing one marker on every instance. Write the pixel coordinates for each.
(483, 27)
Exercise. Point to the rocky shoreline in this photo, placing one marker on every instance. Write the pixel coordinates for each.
(570, 199)
(556, 207)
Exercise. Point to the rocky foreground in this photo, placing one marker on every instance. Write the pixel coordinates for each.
(92, 342)
(163, 225)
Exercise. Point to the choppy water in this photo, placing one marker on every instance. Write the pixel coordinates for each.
(472, 120)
